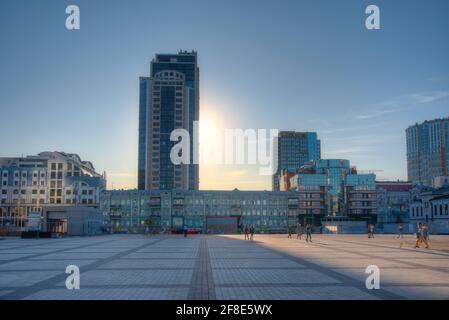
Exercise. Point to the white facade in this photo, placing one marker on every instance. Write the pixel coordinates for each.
(432, 207)
(50, 178)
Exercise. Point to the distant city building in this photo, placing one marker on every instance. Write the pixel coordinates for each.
(393, 201)
(293, 150)
(31, 183)
(428, 151)
(205, 211)
(169, 100)
(440, 182)
(333, 189)
(284, 179)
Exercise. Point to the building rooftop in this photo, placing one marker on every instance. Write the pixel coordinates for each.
(395, 185)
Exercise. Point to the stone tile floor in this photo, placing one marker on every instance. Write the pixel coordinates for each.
(223, 267)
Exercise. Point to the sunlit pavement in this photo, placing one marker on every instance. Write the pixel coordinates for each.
(224, 267)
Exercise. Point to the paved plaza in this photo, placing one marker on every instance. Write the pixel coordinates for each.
(223, 267)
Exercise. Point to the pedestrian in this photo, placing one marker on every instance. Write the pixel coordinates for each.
(185, 232)
(371, 230)
(400, 229)
(299, 231)
(425, 235)
(289, 232)
(246, 233)
(309, 232)
(251, 230)
(418, 235)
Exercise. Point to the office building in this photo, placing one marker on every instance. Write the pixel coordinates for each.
(294, 149)
(428, 151)
(169, 100)
(28, 184)
(331, 188)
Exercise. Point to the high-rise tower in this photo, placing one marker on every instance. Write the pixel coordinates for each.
(293, 150)
(169, 100)
(428, 151)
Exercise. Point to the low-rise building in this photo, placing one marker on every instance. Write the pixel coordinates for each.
(431, 206)
(393, 201)
(72, 220)
(142, 210)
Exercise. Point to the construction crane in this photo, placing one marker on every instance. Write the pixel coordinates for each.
(369, 171)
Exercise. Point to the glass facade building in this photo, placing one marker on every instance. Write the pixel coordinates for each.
(294, 149)
(332, 188)
(428, 151)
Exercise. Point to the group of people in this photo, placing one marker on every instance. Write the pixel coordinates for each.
(422, 235)
(299, 232)
(249, 232)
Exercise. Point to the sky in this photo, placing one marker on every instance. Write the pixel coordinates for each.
(284, 64)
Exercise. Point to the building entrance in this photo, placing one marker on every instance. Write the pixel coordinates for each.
(222, 225)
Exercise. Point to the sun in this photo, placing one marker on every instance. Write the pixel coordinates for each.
(210, 136)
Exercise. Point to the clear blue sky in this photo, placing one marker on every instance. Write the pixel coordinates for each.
(290, 65)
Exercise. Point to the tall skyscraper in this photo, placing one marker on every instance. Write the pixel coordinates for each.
(294, 149)
(169, 100)
(428, 150)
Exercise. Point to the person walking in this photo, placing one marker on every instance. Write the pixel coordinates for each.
(371, 230)
(251, 230)
(289, 232)
(309, 232)
(418, 235)
(299, 231)
(400, 230)
(246, 230)
(425, 235)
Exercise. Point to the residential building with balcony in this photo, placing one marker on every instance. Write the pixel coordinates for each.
(428, 151)
(169, 100)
